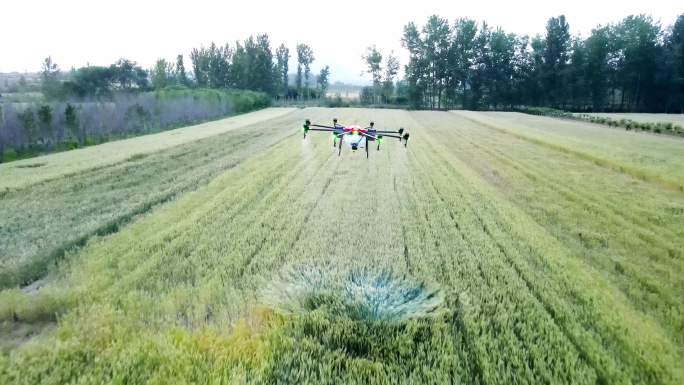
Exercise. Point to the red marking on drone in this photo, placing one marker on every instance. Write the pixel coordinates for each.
(355, 129)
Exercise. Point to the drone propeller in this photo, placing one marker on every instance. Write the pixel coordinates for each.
(307, 124)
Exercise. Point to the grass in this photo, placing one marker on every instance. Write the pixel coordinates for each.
(40, 223)
(551, 269)
(15, 175)
(638, 154)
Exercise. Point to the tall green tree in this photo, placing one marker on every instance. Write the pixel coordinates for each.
(462, 58)
(162, 74)
(283, 58)
(200, 66)
(436, 38)
(479, 79)
(239, 69)
(391, 70)
(638, 40)
(576, 76)
(49, 78)
(92, 81)
(181, 76)
(416, 68)
(556, 56)
(522, 71)
(262, 66)
(45, 125)
(597, 48)
(72, 124)
(500, 68)
(28, 123)
(127, 75)
(536, 93)
(305, 57)
(373, 59)
(218, 67)
(323, 78)
(675, 46)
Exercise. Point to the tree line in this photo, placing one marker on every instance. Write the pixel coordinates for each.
(249, 65)
(94, 104)
(253, 65)
(632, 65)
(29, 129)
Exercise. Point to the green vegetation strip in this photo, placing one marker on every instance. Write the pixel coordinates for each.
(658, 123)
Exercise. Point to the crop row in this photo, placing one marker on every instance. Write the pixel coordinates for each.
(624, 228)
(40, 223)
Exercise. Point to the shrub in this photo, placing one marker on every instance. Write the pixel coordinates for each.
(336, 102)
(10, 154)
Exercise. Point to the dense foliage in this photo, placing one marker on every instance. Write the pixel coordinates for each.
(93, 104)
(27, 129)
(632, 65)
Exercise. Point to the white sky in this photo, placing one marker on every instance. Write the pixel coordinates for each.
(78, 32)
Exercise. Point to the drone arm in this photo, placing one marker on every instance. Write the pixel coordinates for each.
(367, 135)
(322, 126)
(405, 137)
(391, 136)
(321, 129)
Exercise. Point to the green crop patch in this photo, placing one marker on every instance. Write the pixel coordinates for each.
(361, 295)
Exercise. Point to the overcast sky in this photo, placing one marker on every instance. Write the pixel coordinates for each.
(78, 32)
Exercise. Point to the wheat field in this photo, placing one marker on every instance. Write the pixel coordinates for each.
(496, 248)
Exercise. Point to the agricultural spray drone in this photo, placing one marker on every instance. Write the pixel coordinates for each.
(356, 136)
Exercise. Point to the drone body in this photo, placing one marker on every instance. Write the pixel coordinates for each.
(356, 136)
